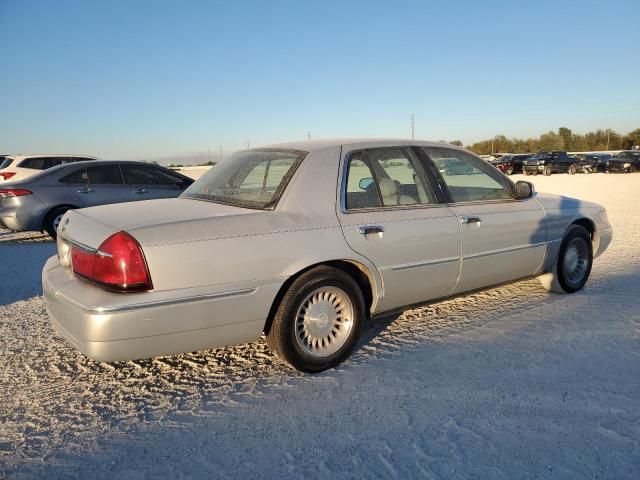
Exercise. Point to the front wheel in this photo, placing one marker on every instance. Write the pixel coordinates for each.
(509, 171)
(573, 169)
(53, 219)
(573, 266)
(547, 170)
(318, 321)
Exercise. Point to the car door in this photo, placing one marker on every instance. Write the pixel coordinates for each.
(502, 238)
(98, 185)
(391, 213)
(147, 182)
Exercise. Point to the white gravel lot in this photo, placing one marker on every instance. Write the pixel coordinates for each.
(510, 382)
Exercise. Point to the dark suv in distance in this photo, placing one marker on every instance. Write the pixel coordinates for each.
(550, 162)
(510, 164)
(626, 162)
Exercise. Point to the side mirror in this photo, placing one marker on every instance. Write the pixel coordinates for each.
(365, 182)
(524, 190)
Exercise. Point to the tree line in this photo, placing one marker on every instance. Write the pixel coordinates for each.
(563, 139)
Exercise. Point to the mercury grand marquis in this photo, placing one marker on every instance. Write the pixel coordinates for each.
(304, 242)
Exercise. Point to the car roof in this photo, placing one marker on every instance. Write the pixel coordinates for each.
(321, 144)
(22, 156)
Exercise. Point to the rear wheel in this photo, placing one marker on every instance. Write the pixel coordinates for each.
(53, 219)
(547, 170)
(573, 169)
(632, 169)
(509, 171)
(318, 321)
(526, 172)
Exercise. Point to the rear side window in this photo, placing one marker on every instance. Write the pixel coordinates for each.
(40, 163)
(79, 177)
(388, 177)
(362, 191)
(143, 175)
(5, 162)
(104, 175)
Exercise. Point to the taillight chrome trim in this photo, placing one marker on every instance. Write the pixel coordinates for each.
(86, 248)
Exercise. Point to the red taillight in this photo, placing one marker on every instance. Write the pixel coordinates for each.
(7, 175)
(118, 264)
(14, 192)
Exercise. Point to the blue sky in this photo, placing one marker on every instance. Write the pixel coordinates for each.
(148, 79)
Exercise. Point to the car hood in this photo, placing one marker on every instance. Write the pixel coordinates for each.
(152, 221)
(555, 202)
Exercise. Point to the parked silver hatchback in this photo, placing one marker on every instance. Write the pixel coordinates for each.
(39, 202)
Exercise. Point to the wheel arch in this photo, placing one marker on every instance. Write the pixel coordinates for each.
(45, 214)
(362, 275)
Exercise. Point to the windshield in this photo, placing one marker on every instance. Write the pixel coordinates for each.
(5, 162)
(251, 178)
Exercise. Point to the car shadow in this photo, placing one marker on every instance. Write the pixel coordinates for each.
(21, 266)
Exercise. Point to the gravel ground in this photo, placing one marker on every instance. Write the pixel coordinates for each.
(510, 382)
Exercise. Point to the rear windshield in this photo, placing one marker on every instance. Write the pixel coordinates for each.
(251, 178)
(5, 162)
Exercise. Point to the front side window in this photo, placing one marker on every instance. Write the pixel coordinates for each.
(387, 177)
(468, 179)
(251, 178)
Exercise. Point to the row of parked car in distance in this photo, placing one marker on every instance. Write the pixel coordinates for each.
(36, 191)
(547, 163)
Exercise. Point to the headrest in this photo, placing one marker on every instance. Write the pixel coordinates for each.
(388, 187)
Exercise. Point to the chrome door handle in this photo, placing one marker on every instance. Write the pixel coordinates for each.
(367, 229)
(470, 220)
(140, 191)
(85, 190)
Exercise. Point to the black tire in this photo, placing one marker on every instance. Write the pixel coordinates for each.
(572, 169)
(281, 337)
(576, 236)
(52, 218)
(526, 173)
(547, 170)
(509, 171)
(632, 169)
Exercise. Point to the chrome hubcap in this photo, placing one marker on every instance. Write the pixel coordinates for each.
(324, 321)
(56, 221)
(576, 260)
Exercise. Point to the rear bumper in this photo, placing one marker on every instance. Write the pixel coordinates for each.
(103, 327)
(21, 213)
(618, 168)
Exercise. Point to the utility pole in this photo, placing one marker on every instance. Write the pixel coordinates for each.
(608, 134)
(413, 126)
(308, 135)
(209, 150)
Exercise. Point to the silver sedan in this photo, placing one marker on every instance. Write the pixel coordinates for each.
(305, 242)
(39, 202)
